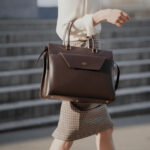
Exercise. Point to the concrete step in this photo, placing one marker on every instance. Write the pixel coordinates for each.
(33, 24)
(127, 67)
(32, 76)
(27, 62)
(33, 36)
(13, 94)
(26, 123)
(119, 55)
(28, 36)
(134, 80)
(110, 43)
(28, 109)
(124, 32)
(132, 95)
(20, 77)
(132, 109)
(15, 50)
(18, 93)
(26, 24)
(115, 111)
(18, 62)
(23, 62)
(126, 42)
(131, 53)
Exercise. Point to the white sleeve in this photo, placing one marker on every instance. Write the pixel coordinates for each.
(85, 23)
(70, 9)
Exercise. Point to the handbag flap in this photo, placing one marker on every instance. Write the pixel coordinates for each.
(83, 61)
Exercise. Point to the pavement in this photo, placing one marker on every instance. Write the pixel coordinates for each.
(130, 133)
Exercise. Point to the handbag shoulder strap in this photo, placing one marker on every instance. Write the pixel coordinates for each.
(118, 76)
(44, 51)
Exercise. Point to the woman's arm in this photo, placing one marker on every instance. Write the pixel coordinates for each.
(114, 16)
(70, 9)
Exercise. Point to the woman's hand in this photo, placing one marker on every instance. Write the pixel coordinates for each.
(114, 16)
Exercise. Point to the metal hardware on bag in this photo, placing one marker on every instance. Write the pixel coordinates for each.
(95, 50)
(77, 100)
(84, 63)
(107, 102)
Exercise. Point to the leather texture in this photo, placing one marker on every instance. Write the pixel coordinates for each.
(73, 72)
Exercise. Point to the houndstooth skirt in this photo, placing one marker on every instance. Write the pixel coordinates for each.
(79, 120)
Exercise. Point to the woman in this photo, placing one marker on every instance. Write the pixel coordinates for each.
(80, 120)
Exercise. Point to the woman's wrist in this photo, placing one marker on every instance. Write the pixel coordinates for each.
(100, 16)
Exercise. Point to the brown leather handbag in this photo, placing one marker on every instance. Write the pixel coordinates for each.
(78, 74)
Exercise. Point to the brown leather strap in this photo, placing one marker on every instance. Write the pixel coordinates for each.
(44, 50)
(64, 36)
(118, 76)
(68, 29)
(91, 38)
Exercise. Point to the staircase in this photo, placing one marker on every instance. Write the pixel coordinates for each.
(21, 42)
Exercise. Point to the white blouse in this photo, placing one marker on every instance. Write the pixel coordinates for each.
(83, 10)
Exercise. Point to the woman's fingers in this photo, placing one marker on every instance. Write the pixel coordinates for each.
(125, 15)
(119, 22)
(122, 19)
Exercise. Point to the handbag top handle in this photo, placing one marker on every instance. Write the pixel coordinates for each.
(68, 29)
